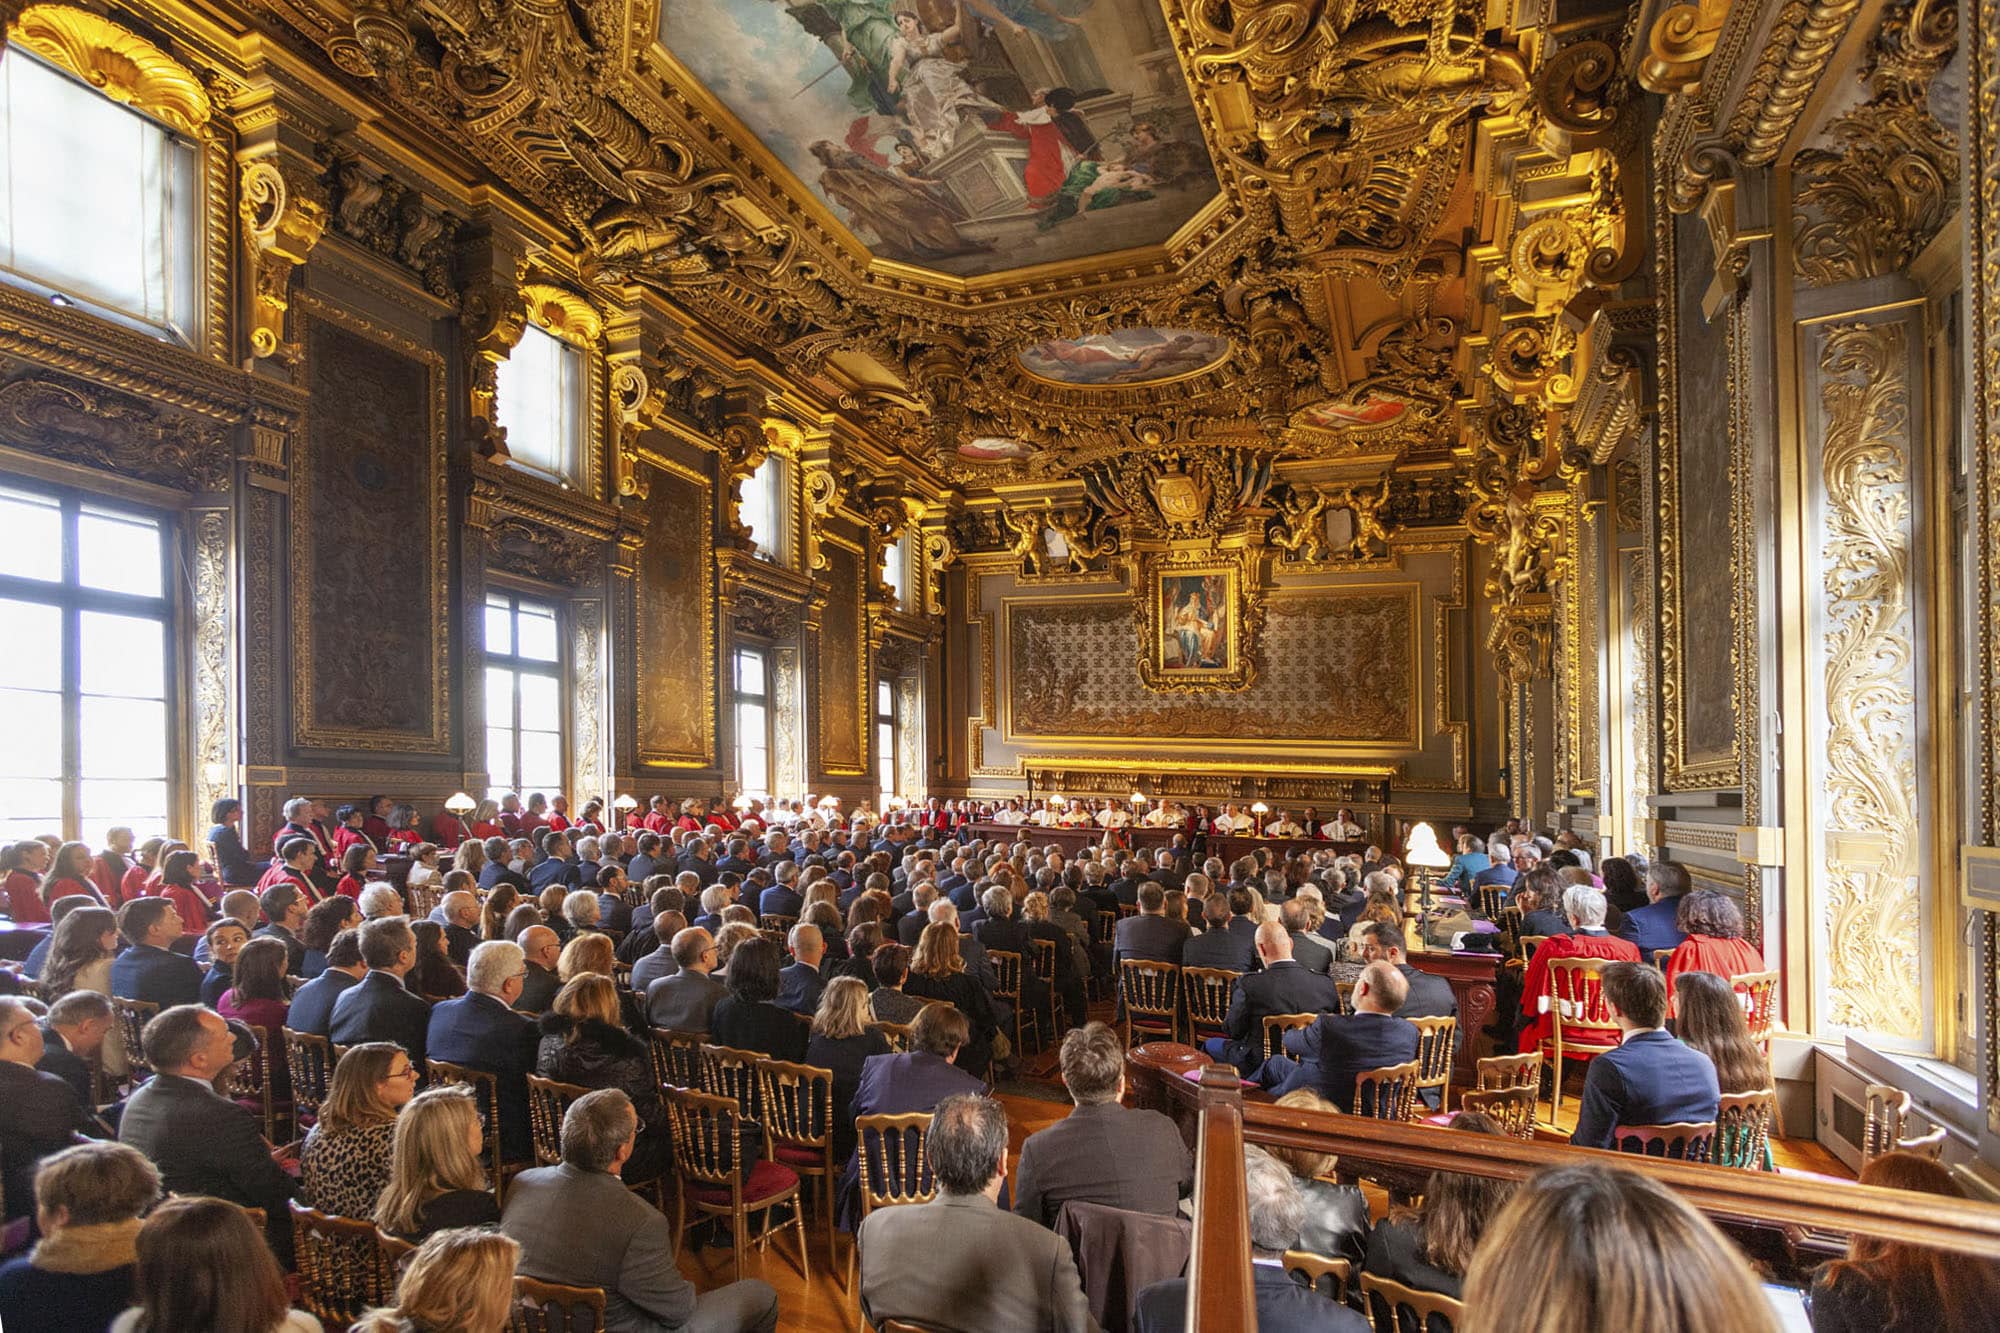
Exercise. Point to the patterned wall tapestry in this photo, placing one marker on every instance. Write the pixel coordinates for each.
(1333, 668)
(367, 534)
(839, 663)
(676, 668)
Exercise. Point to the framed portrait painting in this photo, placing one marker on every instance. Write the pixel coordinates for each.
(1196, 620)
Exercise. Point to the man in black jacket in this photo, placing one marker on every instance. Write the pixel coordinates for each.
(39, 1112)
(1285, 986)
(1218, 945)
(312, 1006)
(204, 1143)
(380, 1008)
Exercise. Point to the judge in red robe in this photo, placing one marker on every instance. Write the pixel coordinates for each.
(295, 864)
(1713, 924)
(376, 822)
(71, 873)
(448, 830)
(1585, 910)
(24, 863)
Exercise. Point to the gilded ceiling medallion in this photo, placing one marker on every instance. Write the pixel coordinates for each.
(968, 136)
(1374, 410)
(1127, 356)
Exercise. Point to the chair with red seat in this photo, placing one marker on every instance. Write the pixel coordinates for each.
(708, 1149)
(798, 1125)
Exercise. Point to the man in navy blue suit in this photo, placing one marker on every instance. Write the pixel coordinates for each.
(380, 1008)
(1327, 1056)
(915, 1080)
(781, 899)
(1652, 1078)
(1285, 986)
(1653, 926)
(1220, 944)
(150, 970)
(312, 1006)
(482, 1030)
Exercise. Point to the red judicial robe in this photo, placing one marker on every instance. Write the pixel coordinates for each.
(24, 899)
(1535, 985)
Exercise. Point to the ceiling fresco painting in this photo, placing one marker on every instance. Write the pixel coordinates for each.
(1128, 356)
(968, 136)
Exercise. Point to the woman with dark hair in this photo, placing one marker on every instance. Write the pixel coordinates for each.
(1430, 1247)
(323, 922)
(937, 972)
(23, 863)
(403, 833)
(256, 996)
(202, 1265)
(1713, 924)
(524, 916)
(1622, 886)
(226, 939)
(348, 831)
(355, 862)
(177, 871)
(80, 953)
(233, 865)
(1711, 1021)
(435, 975)
(493, 913)
(748, 1018)
(1885, 1286)
(888, 1003)
(69, 872)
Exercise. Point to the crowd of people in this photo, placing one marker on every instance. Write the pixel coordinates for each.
(554, 945)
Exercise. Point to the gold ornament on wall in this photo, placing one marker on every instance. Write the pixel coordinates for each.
(117, 62)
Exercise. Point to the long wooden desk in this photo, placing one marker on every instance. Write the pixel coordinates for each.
(1074, 840)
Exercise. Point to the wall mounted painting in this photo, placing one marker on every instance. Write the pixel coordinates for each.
(1196, 620)
(968, 136)
(1127, 356)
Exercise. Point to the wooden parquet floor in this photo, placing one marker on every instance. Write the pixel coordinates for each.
(821, 1305)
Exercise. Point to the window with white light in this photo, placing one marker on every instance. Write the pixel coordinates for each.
(540, 403)
(896, 570)
(885, 741)
(763, 509)
(85, 680)
(752, 688)
(524, 696)
(99, 205)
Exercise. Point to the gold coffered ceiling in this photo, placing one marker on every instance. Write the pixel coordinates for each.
(1052, 232)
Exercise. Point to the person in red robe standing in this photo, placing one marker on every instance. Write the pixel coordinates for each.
(1713, 924)
(1584, 907)
(24, 863)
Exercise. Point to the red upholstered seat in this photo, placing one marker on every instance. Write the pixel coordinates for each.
(767, 1179)
(798, 1154)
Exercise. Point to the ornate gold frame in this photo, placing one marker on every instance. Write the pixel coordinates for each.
(705, 756)
(1246, 616)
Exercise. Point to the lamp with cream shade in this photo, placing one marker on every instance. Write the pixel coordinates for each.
(1422, 854)
(460, 804)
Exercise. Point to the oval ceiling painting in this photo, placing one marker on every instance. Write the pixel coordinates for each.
(969, 136)
(994, 449)
(1374, 410)
(1128, 356)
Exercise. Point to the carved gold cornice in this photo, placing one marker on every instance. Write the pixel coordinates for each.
(117, 62)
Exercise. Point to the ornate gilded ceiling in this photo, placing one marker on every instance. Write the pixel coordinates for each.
(1033, 239)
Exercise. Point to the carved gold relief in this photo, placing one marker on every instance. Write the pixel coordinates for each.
(1679, 42)
(213, 758)
(586, 746)
(284, 211)
(116, 61)
(1873, 901)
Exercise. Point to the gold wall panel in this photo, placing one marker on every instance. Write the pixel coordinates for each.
(370, 610)
(674, 649)
(1339, 668)
(840, 668)
(1983, 414)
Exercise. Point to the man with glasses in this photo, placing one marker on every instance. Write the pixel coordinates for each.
(686, 1000)
(39, 1112)
(542, 948)
(481, 1030)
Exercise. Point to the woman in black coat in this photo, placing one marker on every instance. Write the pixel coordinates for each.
(746, 1018)
(938, 973)
(582, 1043)
(843, 1037)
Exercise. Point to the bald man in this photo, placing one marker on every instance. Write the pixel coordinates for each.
(543, 948)
(1285, 986)
(458, 913)
(1326, 1056)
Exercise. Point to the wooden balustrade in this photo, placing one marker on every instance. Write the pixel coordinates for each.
(1792, 1222)
(1221, 1292)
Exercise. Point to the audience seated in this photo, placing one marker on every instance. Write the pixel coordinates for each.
(913, 1080)
(435, 977)
(202, 1142)
(842, 1042)
(481, 1030)
(312, 1004)
(457, 915)
(889, 1002)
(960, 1261)
(460, 1280)
(436, 1180)
(233, 863)
(748, 1017)
(1336, 1215)
(685, 1001)
(79, 1276)
(1219, 944)
(40, 1114)
(1103, 1151)
(1149, 935)
(344, 1165)
(1652, 1078)
(75, 1035)
(1327, 1056)
(1277, 1211)
(256, 996)
(201, 1266)
(1656, 925)
(938, 972)
(658, 961)
(1539, 896)
(149, 970)
(1888, 1287)
(582, 1042)
(541, 950)
(380, 1008)
(325, 921)
(1282, 986)
(1583, 1249)
(800, 981)
(1429, 1247)
(1584, 909)
(579, 1225)
(1713, 926)
(1711, 1021)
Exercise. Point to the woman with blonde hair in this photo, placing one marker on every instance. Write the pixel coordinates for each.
(493, 913)
(458, 1281)
(583, 1041)
(1580, 1249)
(843, 1037)
(435, 1177)
(937, 972)
(586, 954)
(470, 857)
(344, 1165)
(728, 939)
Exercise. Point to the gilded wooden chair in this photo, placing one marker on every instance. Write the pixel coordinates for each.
(1007, 973)
(1208, 992)
(1658, 958)
(1509, 921)
(1345, 990)
(1388, 1093)
(1434, 1055)
(1525, 946)
(1743, 1130)
(550, 1307)
(897, 1035)
(249, 1086)
(1582, 1026)
(1686, 1141)
(1889, 1124)
(778, 922)
(423, 898)
(1490, 900)
(1388, 1300)
(894, 1169)
(1513, 1109)
(1321, 1272)
(548, 1101)
(727, 1071)
(1494, 1072)
(1042, 964)
(1152, 999)
(486, 1091)
(131, 1017)
(345, 1266)
(798, 1126)
(621, 975)
(708, 1146)
(1759, 993)
(1277, 1025)
(677, 1057)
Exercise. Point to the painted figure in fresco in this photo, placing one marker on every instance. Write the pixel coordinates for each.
(936, 99)
(1188, 628)
(904, 213)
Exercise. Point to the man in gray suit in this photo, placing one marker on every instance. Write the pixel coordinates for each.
(1104, 1152)
(577, 1224)
(960, 1261)
(685, 1000)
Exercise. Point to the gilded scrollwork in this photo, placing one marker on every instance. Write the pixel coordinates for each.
(68, 417)
(117, 62)
(284, 210)
(213, 759)
(376, 210)
(587, 704)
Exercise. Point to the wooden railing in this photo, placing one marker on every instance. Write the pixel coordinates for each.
(1220, 1291)
(1790, 1222)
